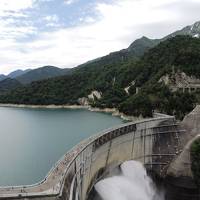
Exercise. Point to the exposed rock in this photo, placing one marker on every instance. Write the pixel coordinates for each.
(128, 87)
(191, 123)
(114, 79)
(165, 79)
(83, 101)
(116, 112)
(179, 181)
(196, 35)
(95, 94)
(181, 166)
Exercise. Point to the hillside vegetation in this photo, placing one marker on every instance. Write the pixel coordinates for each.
(41, 74)
(112, 76)
(8, 84)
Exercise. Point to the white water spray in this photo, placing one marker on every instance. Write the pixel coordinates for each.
(132, 184)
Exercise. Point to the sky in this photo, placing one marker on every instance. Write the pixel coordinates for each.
(66, 33)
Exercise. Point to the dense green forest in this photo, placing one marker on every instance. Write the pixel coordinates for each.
(7, 84)
(111, 74)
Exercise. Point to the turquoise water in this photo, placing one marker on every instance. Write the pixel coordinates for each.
(32, 140)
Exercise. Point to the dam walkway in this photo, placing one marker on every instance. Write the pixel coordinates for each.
(154, 142)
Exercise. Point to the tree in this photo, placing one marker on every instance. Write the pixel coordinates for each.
(137, 105)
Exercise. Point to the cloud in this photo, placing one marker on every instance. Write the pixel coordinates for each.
(51, 18)
(69, 2)
(113, 26)
(11, 14)
(52, 21)
(14, 6)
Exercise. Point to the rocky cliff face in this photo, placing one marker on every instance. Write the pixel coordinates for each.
(191, 123)
(181, 166)
(180, 182)
(192, 30)
(95, 95)
(85, 101)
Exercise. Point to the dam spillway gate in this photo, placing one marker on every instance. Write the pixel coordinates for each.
(154, 142)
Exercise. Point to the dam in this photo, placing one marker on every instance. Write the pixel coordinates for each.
(154, 142)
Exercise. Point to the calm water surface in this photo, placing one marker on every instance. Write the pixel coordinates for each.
(32, 140)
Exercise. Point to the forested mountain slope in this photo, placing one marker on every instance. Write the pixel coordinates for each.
(8, 84)
(181, 53)
(40, 74)
(17, 73)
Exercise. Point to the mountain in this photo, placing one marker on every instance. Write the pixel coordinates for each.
(164, 72)
(2, 77)
(8, 84)
(29, 75)
(17, 73)
(19, 77)
(133, 52)
(181, 53)
(119, 76)
(192, 30)
(140, 46)
(40, 74)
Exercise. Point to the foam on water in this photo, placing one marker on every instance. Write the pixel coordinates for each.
(132, 184)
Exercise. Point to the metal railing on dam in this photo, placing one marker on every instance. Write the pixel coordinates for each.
(154, 142)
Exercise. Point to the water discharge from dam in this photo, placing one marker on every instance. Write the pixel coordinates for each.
(132, 184)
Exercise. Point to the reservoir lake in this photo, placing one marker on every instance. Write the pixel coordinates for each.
(32, 140)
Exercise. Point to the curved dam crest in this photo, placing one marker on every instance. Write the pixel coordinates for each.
(77, 171)
(33, 140)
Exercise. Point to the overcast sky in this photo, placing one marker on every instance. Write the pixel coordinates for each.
(65, 33)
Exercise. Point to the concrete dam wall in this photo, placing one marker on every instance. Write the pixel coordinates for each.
(154, 142)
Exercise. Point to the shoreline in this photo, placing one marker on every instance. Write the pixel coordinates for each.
(112, 111)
